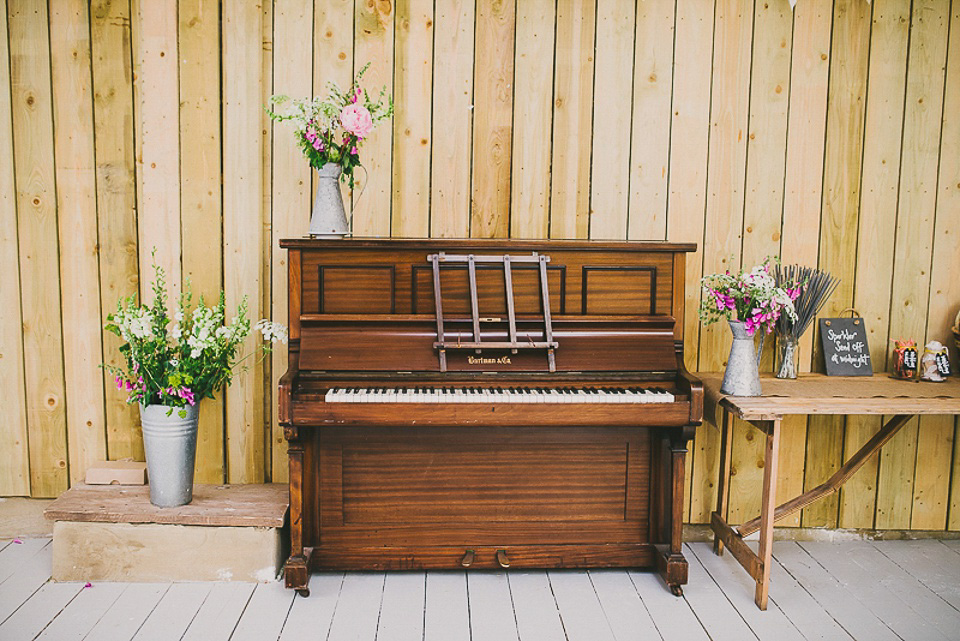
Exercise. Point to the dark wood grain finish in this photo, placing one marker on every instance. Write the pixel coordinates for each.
(385, 486)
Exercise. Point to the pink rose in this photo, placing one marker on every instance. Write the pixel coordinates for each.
(357, 120)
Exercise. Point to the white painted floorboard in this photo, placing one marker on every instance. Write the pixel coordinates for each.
(870, 591)
(448, 614)
(534, 607)
(83, 612)
(491, 608)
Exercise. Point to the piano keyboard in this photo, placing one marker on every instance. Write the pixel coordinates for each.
(497, 395)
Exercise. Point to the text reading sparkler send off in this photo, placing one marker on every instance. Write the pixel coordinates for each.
(848, 349)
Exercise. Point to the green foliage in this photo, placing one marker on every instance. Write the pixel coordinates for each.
(177, 361)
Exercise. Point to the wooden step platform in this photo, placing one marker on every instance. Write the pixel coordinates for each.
(114, 533)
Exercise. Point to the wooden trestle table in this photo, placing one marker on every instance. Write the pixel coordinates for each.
(809, 394)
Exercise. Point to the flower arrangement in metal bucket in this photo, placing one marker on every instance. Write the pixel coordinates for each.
(332, 129)
(176, 361)
(753, 297)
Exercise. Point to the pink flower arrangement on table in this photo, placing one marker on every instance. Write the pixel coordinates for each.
(752, 297)
(332, 129)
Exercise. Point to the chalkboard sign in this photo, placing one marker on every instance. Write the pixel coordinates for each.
(845, 350)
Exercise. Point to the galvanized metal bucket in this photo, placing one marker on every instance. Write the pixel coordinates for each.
(741, 378)
(170, 443)
(329, 219)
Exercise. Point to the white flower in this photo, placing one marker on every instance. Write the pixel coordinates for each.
(272, 332)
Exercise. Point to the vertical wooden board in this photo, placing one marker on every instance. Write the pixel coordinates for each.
(803, 184)
(910, 295)
(532, 123)
(242, 204)
(332, 44)
(37, 234)
(763, 199)
(200, 196)
(767, 132)
(931, 483)
(934, 447)
(953, 513)
(650, 130)
(493, 116)
(77, 222)
(946, 242)
(878, 217)
(412, 121)
(453, 106)
(572, 120)
(374, 43)
(332, 62)
(793, 445)
(610, 160)
(116, 201)
(806, 124)
(266, 384)
(729, 103)
(686, 203)
(15, 473)
(158, 220)
(689, 140)
(726, 171)
(292, 76)
(839, 216)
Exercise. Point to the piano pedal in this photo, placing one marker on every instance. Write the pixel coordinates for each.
(467, 559)
(502, 559)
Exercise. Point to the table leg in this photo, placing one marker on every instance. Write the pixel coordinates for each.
(723, 486)
(767, 508)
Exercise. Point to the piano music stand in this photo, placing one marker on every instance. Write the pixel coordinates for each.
(442, 345)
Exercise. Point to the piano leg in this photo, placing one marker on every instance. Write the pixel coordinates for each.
(670, 560)
(296, 571)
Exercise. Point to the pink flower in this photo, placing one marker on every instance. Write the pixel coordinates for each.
(187, 395)
(119, 382)
(357, 120)
(353, 151)
(88, 585)
(18, 541)
(356, 95)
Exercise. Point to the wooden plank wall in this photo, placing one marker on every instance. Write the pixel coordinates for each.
(828, 134)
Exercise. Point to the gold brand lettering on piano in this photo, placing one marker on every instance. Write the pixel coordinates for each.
(477, 360)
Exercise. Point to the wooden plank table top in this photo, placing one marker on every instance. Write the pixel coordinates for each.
(821, 394)
(252, 505)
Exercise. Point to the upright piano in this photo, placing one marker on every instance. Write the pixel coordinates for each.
(486, 404)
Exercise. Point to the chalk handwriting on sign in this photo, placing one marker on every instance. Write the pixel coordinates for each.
(845, 349)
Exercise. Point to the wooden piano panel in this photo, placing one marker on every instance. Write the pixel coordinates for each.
(486, 486)
(617, 277)
(491, 291)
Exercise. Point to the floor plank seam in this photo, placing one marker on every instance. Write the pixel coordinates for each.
(843, 584)
(333, 614)
(242, 611)
(383, 586)
(725, 593)
(917, 578)
(818, 601)
(466, 579)
(66, 605)
(606, 616)
(513, 606)
(556, 604)
(722, 591)
(104, 613)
